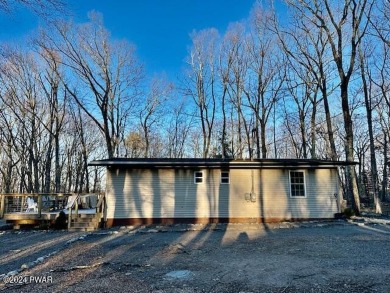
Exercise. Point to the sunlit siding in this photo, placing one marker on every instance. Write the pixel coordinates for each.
(251, 194)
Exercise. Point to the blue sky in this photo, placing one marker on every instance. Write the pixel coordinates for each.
(159, 28)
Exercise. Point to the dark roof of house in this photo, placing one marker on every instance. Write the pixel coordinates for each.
(158, 163)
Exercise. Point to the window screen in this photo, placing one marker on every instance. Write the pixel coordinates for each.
(198, 177)
(225, 177)
(297, 183)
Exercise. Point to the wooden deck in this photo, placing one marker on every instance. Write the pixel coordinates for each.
(50, 216)
(37, 209)
(30, 216)
(18, 219)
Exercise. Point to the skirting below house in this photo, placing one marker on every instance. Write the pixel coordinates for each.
(169, 221)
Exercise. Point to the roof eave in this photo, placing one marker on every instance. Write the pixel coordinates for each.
(231, 164)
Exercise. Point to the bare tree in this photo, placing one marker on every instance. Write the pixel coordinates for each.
(383, 140)
(178, 130)
(369, 105)
(36, 132)
(304, 100)
(202, 82)
(380, 21)
(378, 75)
(105, 75)
(47, 9)
(233, 67)
(225, 63)
(153, 111)
(9, 158)
(266, 75)
(49, 80)
(19, 77)
(306, 48)
(344, 24)
(134, 146)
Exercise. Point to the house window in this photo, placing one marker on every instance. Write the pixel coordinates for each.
(225, 177)
(198, 177)
(297, 184)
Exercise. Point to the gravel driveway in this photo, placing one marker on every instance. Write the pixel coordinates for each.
(335, 256)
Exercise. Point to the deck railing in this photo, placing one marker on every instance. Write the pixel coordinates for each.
(73, 205)
(32, 203)
(2, 198)
(38, 203)
(101, 208)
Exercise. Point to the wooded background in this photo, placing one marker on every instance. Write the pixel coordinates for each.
(311, 82)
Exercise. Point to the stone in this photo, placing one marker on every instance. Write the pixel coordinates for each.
(152, 231)
(180, 274)
(24, 266)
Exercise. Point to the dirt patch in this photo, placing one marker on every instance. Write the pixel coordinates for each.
(311, 257)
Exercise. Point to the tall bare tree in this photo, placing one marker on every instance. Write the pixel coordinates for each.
(267, 74)
(21, 96)
(178, 129)
(105, 75)
(344, 24)
(49, 80)
(201, 83)
(153, 110)
(225, 62)
(306, 48)
(369, 103)
(379, 76)
(233, 78)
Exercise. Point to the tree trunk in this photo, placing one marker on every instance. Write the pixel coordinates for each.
(47, 171)
(224, 145)
(303, 132)
(367, 102)
(386, 160)
(352, 187)
(332, 145)
(313, 131)
(57, 164)
(263, 140)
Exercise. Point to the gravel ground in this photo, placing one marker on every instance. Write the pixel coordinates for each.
(336, 256)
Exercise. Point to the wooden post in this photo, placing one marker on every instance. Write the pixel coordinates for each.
(39, 205)
(2, 205)
(104, 211)
(77, 206)
(69, 216)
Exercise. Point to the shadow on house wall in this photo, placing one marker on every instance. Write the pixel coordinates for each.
(169, 196)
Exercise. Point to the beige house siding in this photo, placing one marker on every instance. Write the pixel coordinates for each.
(252, 195)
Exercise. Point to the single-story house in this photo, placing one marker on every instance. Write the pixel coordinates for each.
(146, 191)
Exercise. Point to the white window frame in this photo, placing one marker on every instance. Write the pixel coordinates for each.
(304, 183)
(198, 177)
(224, 177)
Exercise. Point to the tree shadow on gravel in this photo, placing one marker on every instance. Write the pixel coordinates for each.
(23, 247)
